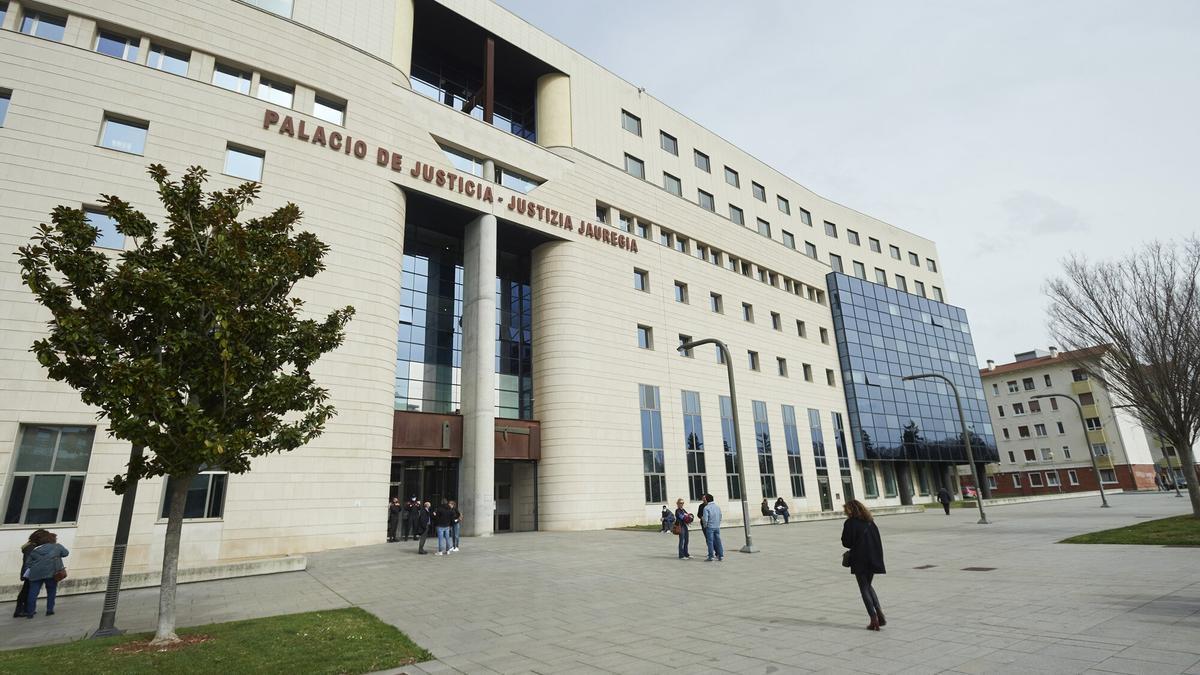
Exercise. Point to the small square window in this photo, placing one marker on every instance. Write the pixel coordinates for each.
(829, 377)
(635, 167)
(275, 92)
(937, 294)
(716, 303)
(781, 364)
(44, 25)
(801, 329)
(930, 265)
(642, 229)
(810, 250)
(117, 46)
(641, 280)
(681, 292)
(631, 123)
(1046, 379)
(706, 201)
(860, 270)
(831, 229)
(672, 184)
(168, 60)
(881, 277)
(747, 312)
(764, 228)
(852, 237)
(835, 261)
(668, 143)
(645, 337)
(783, 205)
(108, 236)
(736, 215)
(701, 161)
(895, 251)
(806, 217)
(874, 244)
(824, 336)
(244, 163)
(901, 283)
(808, 373)
(732, 178)
(683, 340)
(329, 109)
(753, 359)
(914, 259)
(123, 135)
(228, 77)
(760, 192)
(789, 239)
(602, 214)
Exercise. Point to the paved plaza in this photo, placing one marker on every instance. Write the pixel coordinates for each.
(620, 601)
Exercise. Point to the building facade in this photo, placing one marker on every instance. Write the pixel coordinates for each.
(1044, 445)
(526, 239)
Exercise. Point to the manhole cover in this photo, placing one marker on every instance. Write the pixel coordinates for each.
(978, 569)
(924, 567)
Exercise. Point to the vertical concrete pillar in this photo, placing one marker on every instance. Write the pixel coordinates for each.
(552, 110)
(402, 36)
(477, 472)
(984, 488)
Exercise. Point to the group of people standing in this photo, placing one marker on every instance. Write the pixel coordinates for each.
(420, 520)
(709, 515)
(41, 566)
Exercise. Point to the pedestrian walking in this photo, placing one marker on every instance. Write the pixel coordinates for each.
(443, 520)
(682, 518)
(456, 528)
(415, 517)
(394, 512)
(421, 525)
(36, 538)
(45, 568)
(712, 529)
(781, 508)
(769, 512)
(864, 557)
(944, 498)
(668, 519)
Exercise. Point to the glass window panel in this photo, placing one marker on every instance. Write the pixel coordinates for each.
(74, 449)
(275, 92)
(168, 60)
(44, 26)
(117, 46)
(243, 164)
(125, 136)
(44, 499)
(37, 449)
(70, 512)
(333, 111)
(5, 97)
(231, 78)
(16, 500)
(280, 7)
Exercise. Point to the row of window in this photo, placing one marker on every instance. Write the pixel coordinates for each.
(639, 227)
(1030, 455)
(881, 277)
(124, 46)
(672, 184)
(645, 340)
(716, 304)
(1093, 424)
(1052, 480)
(51, 468)
(1035, 406)
(1030, 384)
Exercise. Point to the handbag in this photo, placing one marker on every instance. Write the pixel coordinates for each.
(846, 558)
(60, 575)
(675, 529)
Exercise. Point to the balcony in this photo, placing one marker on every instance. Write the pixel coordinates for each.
(1081, 387)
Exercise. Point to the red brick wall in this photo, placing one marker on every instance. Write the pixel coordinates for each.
(1129, 477)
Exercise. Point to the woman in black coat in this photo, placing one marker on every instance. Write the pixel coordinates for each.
(394, 512)
(861, 536)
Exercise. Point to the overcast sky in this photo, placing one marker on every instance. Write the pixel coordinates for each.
(1010, 133)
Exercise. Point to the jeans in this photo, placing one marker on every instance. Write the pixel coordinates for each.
(454, 534)
(785, 515)
(715, 544)
(868, 594)
(35, 588)
(708, 540)
(683, 542)
(443, 539)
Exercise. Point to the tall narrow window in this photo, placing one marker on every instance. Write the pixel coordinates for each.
(810, 250)
(818, 441)
(781, 364)
(880, 277)
(937, 294)
(783, 205)
(48, 475)
(843, 455)
(716, 303)
(641, 279)
(764, 228)
(654, 472)
(789, 239)
(693, 442)
(5, 97)
(860, 270)
(791, 437)
(762, 440)
(729, 440)
(645, 337)
(901, 283)
(776, 321)
(752, 359)
(747, 312)
(870, 486)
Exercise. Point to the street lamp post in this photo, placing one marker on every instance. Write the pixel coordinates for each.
(737, 435)
(962, 418)
(1087, 443)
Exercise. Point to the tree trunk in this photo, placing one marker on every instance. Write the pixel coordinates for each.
(177, 497)
(1187, 460)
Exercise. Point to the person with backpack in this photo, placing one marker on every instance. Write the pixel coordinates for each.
(45, 568)
(864, 557)
(682, 518)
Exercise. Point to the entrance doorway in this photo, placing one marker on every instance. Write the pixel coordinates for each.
(826, 495)
(429, 480)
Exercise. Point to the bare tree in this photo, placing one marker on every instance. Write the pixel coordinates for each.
(1144, 310)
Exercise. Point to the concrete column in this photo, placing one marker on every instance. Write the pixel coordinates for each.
(553, 110)
(402, 37)
(477, 472)
(984, 488)
(12, 20)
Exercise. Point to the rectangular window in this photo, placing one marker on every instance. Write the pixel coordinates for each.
(1035, 479)
(1046, 379)
(824, 335)
(835, 261)
(681, 292)
(781, 363)
(168, 60)
(783, 205)
(641, 280)
(1079, 375)
(654, 472)
(880, 277)
(1093, 424)
(1012, 457)
(1013, 387)
(1099, 449)
(681, 244)
(701, 161)
(930, 265)
(1023, 432)
(1087, 398)
(1027, 382)
(901, 284)
(1047, 455)
(895, 252)
(645, 337)
(801, 329)
(805, 217)
(5, 97)
(642, 229)
(764, 228)
(1108, 476)
(280, 7)
(602, 215)
(1072, 477)
(747, 312)
(729, 441)
(831, 229)
(233, 79)
(870, 486)
(1018, 408)
(808, 373)
(736, 215)
(874, 244)
(244, 163)
(205, 496)
(635, 167)
(937, 294)
(48, 475)
(668, 142)
(1066, 452)
(108, 236)
(693, 443)
(789, 239)
(752, 359)
(44, 25)
(776, 321)
(631, 123)
(329, 109)
(117, 46)
(852, 237)
(829, 377)
(995, 389)
(1035, 406)
(624, 221)
(716, 303)
(1005, 432)
(123, 135)
(860, 270)
(762, 440)
(889, 480)
(810, 250)
(732, 178)
(672, 184)
(1000, 409)
(1016, 480)
(791, 438)
(706, 201)
(914, 259)
(919, 288)
(279, 93)
(3, 11)
(760, 192)
(720, 355)
(1061, 429)
(683, 340)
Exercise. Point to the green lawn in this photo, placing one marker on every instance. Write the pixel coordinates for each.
(956, 504)
(1175, 531)
(339, 641)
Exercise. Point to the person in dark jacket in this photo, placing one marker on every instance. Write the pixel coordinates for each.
(394, 512)
(861, 536)
(421, 525)
(36, 539)
(944, 498)
(456, 528)
(44, 566)
(413, 515)
(781, 508)
(767, 511)
(681, 520)
(668, 519)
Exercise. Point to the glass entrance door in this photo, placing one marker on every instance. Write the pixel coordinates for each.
(429, 480)
(826, 495)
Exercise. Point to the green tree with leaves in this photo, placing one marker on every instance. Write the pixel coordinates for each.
(189, 343)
